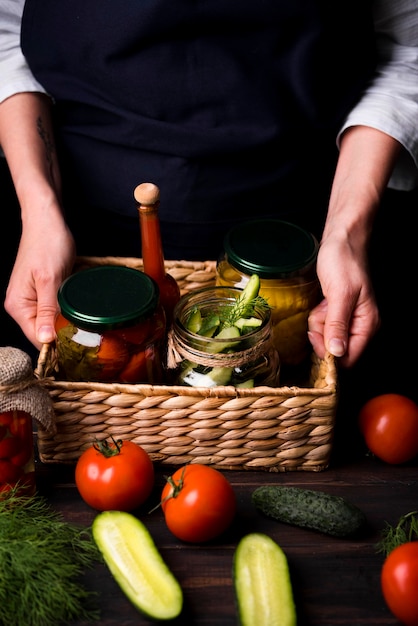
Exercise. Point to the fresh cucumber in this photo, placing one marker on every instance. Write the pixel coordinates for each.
(316, 510)
(262, 583)
(136, 564)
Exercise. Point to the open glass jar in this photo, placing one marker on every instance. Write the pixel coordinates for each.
(284, 257)
(245, 360)
(111, 327)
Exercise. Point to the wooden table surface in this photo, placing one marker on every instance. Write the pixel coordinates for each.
(336, 582)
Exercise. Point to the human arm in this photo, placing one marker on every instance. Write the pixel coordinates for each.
(378, 147)
(46, 249)
(347, 318)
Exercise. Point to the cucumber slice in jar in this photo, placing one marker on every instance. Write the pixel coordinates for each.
(230, 332)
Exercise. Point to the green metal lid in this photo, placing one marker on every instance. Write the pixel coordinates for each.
(270, 248)
(108, 296)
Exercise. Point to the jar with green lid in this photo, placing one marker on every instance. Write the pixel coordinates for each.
(111, 327)
(284, 257)
(240, 355)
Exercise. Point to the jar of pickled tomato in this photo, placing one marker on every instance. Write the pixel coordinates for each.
(284, 257)
(23, 401)
(17, 462)
(240, 355)
(111, 327)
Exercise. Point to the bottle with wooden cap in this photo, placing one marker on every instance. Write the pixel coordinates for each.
(147, 196)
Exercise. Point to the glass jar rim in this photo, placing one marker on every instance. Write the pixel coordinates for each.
(107, 297)
(271, 248)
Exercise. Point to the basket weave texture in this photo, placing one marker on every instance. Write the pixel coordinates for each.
(274, 429)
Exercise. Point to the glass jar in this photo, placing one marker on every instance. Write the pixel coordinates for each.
(196, 360)
(17, 463)
(284, 257)
(111, 327)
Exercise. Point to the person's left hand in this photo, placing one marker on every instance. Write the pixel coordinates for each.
(346, 319)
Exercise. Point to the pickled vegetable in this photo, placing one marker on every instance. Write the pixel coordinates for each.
(229, 336)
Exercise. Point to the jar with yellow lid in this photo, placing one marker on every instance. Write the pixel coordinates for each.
(111, 327)
(284, 257)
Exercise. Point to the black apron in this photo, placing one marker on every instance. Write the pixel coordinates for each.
(230, 106)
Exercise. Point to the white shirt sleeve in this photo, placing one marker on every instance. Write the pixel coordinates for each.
(390, 103)
(15, 75)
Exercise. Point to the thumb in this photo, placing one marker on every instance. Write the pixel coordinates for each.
(45, 319)
(336, 329)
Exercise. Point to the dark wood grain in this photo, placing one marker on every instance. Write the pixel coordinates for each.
(336, 582)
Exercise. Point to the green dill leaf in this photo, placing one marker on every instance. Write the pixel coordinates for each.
(406, 529)
(42, 561)
(242, 309)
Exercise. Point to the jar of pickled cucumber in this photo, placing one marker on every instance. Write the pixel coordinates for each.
(210, 346)
(111, 327)
(284, 256)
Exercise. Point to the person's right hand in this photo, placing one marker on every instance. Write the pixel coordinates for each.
(45, 258)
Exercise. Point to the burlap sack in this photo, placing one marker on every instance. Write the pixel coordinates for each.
(21, 391)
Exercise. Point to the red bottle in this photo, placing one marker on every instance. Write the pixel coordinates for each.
(147, 196)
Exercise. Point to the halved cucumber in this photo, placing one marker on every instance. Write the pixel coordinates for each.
(262, 583)
(136, 564)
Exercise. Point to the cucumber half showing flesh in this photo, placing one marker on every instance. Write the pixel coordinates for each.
(262, 583)
(137, 566)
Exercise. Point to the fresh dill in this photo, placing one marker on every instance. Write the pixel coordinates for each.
(42, 560)
(242, 308)
(405, 530)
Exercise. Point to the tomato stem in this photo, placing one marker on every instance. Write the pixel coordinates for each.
(176, 487)
(108, 449)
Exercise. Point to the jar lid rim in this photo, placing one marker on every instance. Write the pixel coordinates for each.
(107, 296)
(271, 248)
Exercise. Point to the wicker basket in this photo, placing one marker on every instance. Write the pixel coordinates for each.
(274, 429)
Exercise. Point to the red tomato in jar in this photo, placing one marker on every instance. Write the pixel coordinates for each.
(5, 421)
(117, 476)
(389, 425)
(9, 473)
(198, 503)
(112, 356)
(9, 447)
(399, 581)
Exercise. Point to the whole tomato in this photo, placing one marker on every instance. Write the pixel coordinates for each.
(198, 503)
(389, 425)
(399, 582)
(114, 476)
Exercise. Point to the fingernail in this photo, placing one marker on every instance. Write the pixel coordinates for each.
(46, 334)
(336, 347)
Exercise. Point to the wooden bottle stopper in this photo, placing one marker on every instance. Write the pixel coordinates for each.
(147, 194)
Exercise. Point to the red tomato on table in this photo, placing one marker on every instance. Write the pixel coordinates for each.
(198, 503)
(399, 581)
(114, 476)
(389, 425)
